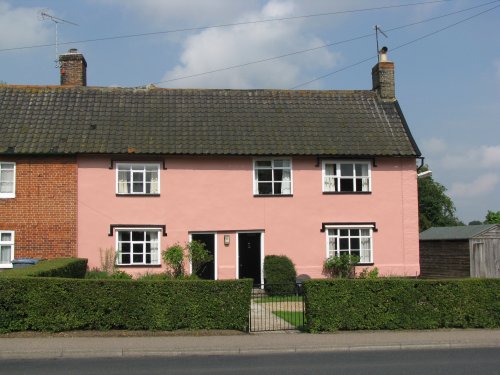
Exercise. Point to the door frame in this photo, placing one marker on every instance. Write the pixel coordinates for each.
(261, 253)
(215, 234)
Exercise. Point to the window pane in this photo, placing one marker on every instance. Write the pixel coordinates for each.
(265, 174)
(355, 253)
(123, 236)
(278, 174)
(344, 232)
(148, 259)
(5, 254)
(263, 163)
(354, 243)
(125, 247)
(346, 184)
(6, 187)
(137, 258)
(277, 188)
(346, 169)
(137, 187)
(329, 170)
(137, 248)
(6, 237)
(125, 258)
(365, 232)
(344, 243)
(362, 170)
(354, 232)
(265, 188)
(359, 184)
(137, 236)
(137, 177)
(152, 168)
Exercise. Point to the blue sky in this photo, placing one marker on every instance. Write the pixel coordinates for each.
(447, 84)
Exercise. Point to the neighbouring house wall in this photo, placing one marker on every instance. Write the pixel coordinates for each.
(202, 194)
(444, 258)
(485, 255)
(43, 212)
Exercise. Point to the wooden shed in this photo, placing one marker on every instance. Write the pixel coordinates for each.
(465, 251)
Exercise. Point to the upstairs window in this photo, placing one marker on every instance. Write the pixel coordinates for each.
(7, 180)
(6, 248)
(135, 178)
(346, 177)
(273, 177)
(350, 241)
(138, 247)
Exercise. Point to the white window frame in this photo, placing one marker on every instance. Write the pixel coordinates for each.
(339, 176)
(11, 194)
(136, 164)
(349, 227)
(132, 263)
(10, 243)
(272, 168)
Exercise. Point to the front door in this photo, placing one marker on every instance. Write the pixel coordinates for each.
(249, 256)
(208, 270)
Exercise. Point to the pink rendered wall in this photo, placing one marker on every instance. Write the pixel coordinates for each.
(200, 194)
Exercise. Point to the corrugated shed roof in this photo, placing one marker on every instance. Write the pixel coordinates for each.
(57, 120)
(454, 233)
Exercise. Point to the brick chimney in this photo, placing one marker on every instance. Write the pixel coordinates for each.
(73, 68)
(383, 77)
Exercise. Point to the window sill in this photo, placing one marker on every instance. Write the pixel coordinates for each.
(272, 195)
(137, 195)
(6, 266)
(7, 196)
(347, 192)
(138, 265)
(364, 264)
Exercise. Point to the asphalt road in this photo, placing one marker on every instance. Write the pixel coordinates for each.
(429, 362)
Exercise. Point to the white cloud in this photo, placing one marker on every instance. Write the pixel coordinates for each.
(434, 146)
(483, 157)
(213, 49)
(482, 185)
(20, 26)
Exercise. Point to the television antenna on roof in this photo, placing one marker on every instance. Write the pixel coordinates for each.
(44, 16)
(378, 30)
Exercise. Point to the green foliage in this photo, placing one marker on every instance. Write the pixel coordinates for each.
(173, 256)
(475, 222)
(198, 255)
(366, 273)
(436, 209)
(280, 275)
(386, 303)
(56, 304)
(341, 266)
(60, 267)
(97, 274)
(108, 260)
(492, 217)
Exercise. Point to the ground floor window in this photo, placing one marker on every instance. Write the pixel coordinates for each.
(6, 248)
(350, 241)
(138, 247)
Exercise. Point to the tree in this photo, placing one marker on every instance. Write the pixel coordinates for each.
(492, 217)
(475, 222)
(436, 209)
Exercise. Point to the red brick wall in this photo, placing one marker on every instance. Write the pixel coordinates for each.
(44, 212)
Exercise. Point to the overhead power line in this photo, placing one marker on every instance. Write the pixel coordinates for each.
(321, 46)
(396, 48)
(198, 28)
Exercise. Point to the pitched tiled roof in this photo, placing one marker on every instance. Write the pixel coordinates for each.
(57, 120)
(463, 232)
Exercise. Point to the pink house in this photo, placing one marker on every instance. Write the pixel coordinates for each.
(307, 174)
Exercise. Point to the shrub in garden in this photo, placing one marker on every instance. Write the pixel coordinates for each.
(341, 267)
(173, 256)
(60, 267)
(366, 273)
(198, 255)
(280, 275)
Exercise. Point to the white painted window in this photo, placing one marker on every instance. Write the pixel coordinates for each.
(6, 248)
(346, 176)
(7, 180)
(272, 177)
(138, 246)
(356, 241)
(137, 178)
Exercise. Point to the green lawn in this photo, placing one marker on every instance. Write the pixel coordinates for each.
(293, 317)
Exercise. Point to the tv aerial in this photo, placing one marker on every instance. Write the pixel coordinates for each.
(377, 31)
(43, 15)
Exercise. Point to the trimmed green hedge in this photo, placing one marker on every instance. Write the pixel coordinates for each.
(280, 275)
(60, 267)
(53, 304)
(401, 304)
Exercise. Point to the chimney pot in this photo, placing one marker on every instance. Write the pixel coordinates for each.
(73, 68)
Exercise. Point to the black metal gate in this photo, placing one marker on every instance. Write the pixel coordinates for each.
(276, 307)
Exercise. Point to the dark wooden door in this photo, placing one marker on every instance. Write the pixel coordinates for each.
(249, 259)
(208, 270)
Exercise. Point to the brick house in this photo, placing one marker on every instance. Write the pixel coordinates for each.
(308, 174)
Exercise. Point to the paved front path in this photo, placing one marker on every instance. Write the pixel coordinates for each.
(263, 319)
(72, 347)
